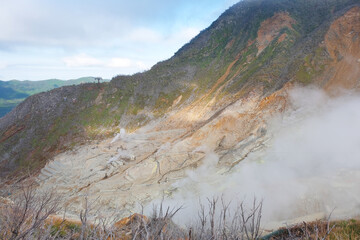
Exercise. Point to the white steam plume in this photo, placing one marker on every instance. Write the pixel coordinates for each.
(311, 164)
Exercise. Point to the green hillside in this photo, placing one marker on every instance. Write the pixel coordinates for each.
(14, 92)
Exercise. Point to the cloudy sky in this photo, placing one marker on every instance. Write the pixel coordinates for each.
(42, 39)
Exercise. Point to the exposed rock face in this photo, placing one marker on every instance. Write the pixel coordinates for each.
(215, 96)
(343, 44)
(271, 28)
(161, 157)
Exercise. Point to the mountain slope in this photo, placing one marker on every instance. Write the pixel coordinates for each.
(255, 47)
(9, 93)
(13, 92)
(33, 87)
(188, 124)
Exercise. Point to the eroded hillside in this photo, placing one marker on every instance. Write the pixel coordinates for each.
(215, 97)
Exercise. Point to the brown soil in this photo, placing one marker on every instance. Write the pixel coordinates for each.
(343, 44)
(271, 28)
(14, 129)
(282, 37)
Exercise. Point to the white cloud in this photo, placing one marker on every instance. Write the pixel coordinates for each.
(175, 38)
(146, 35)
(142, 65)
(187, 34)
(3, 65)
(82, 60)
(127, 63)
(120, 63)
(54, 32)
(90, 62)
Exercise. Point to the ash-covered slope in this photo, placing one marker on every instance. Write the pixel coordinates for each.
(253, 49)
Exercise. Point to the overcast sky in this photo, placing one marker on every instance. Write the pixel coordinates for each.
(42, 39)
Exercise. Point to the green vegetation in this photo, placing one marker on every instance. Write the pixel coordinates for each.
(13, 92)
(344, 230)
(304, 75)
(347, 229)
(165, 101)
(33, 87)
(62, 228)
(313, 65)
(7, 93)
(138, 104)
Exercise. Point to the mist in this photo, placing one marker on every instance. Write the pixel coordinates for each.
(311, 164)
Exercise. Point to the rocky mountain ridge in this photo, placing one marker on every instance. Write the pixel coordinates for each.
(214, 97)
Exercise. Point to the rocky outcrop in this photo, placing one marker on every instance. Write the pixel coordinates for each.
(342, 41)
(270, 28)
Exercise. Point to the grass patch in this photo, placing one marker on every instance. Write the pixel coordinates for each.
(313, 65)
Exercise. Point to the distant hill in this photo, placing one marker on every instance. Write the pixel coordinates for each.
(13, 92)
